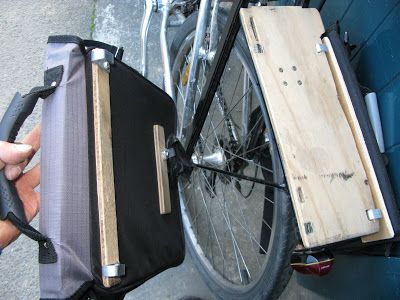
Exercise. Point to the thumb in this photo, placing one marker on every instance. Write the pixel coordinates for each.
(14, 153)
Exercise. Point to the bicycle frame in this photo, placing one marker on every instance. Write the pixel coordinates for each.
(218, 53)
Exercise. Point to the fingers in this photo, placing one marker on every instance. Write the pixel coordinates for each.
(15, 157)
(33, 138)
(14, 170)
(32, 177)
(13, 153)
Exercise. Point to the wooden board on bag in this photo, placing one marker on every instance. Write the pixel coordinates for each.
(385, 225)
(325, 175)
(105, 172)
(162, 170)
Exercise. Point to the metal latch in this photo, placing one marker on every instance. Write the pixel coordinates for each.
(114, 270)
(374, 214)
(102, 58)
(167, 153)
(321, 48)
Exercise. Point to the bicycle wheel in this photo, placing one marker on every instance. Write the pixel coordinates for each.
(240, 233)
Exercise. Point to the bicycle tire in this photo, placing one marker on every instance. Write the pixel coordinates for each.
(276, 270)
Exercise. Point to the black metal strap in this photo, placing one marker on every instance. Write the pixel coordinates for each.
(180, 164)
(116, 51)
(216, 70)
(269, 184)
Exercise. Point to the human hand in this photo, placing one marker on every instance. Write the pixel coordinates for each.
(13, 159)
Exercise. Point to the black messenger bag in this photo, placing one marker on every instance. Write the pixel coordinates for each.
(110, 213)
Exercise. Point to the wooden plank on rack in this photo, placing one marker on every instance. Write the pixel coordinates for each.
(326, 177)
(385, 228)
(104, 171)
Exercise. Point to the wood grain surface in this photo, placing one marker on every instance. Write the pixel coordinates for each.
(162, 170)
(385, 228)
(326, 177)
(104, 171)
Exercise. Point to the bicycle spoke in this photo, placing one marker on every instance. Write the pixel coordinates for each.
(228, 113)
(226, 218)
(245, 221)
(212, 225)
(244, 159)
(244, 228)
(224, 213)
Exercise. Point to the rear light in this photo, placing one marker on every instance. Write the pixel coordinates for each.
(319, 263)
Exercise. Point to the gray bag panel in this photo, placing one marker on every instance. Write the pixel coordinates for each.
(64, 180)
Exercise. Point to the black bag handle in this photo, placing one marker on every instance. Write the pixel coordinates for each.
(11, 206)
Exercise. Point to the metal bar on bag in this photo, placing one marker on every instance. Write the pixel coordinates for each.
(244, 177)
(114, 270)
(216, 70)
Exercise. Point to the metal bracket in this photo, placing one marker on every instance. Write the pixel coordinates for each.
(102, 58)
(167, 153)
(374, 214)
(114, 270)
(321, 48)
(308, 227)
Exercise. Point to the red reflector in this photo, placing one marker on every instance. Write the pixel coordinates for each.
(313, 264)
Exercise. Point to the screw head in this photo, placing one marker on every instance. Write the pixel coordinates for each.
(106, 65)
(280, 70)
(299, 82)
(285, 83)
(164, 154)
(294, 68)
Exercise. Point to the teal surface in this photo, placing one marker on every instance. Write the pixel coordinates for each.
(373, 26)
(352, 277)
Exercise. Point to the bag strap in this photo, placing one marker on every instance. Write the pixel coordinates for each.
(116, 51)
(87, 45)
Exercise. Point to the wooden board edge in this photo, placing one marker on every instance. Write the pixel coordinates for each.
(104, 172)
(162, 170)
(385, 229)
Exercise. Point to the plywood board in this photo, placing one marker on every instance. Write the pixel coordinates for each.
(385, 225)
(326, 177)
(104, 171)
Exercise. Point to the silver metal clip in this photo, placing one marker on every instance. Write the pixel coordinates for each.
(321, 48)
(115, 270)
(167, 153)
(103, 58)
(374, 214)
